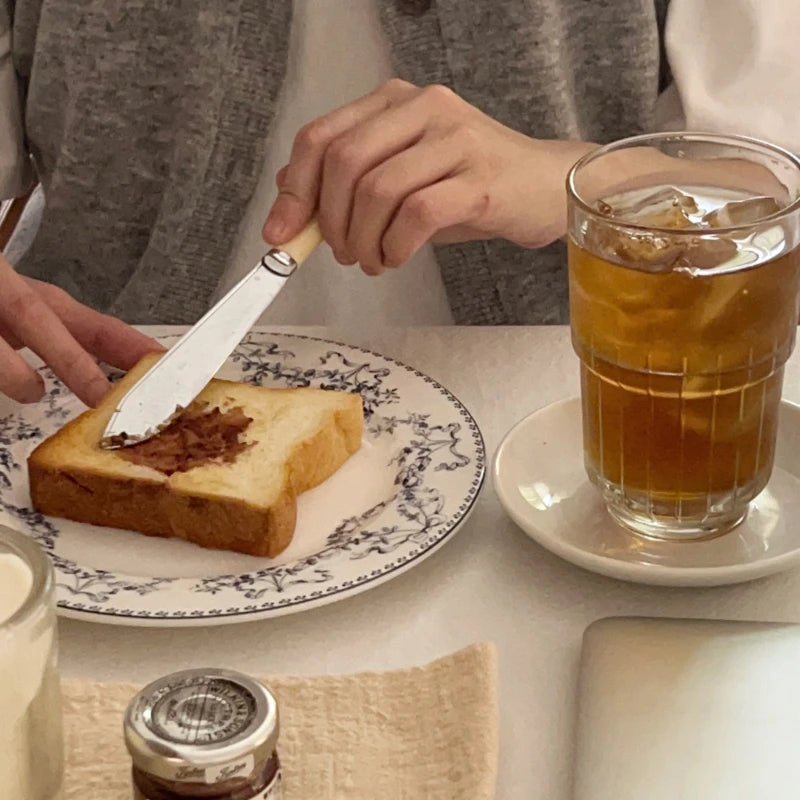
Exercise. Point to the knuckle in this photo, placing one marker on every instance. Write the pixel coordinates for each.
(57, 295)
(312, 137)
(395, 86)
(18, 304)
(101, 332)
(343, 155)
(422, 209)
(471, 138)
(331, 232)
(375, 188)
(438, 94)
(75, 361)
(53, 295)
(392, 256)
(326, 225)
(280, 177)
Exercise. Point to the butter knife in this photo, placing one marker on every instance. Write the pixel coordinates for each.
(183, 372)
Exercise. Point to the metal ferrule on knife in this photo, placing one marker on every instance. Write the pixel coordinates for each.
(279, 263)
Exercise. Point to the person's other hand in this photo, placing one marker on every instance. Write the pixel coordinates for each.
(65, 334)
(405, 165)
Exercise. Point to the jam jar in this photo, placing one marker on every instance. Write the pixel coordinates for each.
(204, 733)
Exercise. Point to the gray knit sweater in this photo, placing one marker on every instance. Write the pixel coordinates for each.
(148, 121)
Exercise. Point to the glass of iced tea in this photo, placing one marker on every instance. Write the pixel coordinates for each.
(684, 264)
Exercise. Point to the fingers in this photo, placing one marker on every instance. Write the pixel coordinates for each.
(460, 200)
(9, 338)
(280, 176)
(380, 192)
(28, 317)
(105, 337)
(428, 114)
(30, 304)
(404, 165)
(355, 153)
(18, 379)
(299, 182)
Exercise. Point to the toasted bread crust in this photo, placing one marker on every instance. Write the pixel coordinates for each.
(156, 510)
(154, 507)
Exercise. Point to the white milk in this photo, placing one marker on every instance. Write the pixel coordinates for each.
(30, 735)
(16, 579)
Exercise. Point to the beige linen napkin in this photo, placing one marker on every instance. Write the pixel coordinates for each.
(424, 732)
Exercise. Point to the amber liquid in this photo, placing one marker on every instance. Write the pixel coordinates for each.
(681, 379)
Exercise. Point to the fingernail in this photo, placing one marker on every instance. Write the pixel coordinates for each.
(96, 391)
(33, 392)
(147, 345)
(345, 259)
(274, 227)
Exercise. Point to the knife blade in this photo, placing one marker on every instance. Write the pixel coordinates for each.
(182, 373)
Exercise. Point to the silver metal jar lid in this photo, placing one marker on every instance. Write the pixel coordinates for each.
(202, 726)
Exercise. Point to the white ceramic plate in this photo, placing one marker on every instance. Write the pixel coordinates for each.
(540, 480)
(391, 505)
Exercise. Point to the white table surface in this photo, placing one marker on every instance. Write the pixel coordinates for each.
(489, 583)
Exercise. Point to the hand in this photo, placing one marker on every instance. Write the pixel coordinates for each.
(65, 334)
(404, 165)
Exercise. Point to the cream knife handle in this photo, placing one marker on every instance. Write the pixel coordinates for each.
(301, 246)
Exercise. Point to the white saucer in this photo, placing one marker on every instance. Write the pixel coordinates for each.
(540, 481)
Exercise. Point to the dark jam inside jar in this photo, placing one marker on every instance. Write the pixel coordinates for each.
(253, 787)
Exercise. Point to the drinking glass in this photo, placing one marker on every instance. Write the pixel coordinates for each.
(31, 757)
(683, 272)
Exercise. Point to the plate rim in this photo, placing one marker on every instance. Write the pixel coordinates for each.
(138, 621)
(115, 616)
(645, 574)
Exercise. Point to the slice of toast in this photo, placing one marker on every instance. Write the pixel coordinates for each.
(297, 439)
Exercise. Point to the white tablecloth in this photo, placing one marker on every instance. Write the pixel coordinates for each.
(489, 583)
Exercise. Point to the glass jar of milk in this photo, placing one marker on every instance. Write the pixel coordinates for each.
(31, 758)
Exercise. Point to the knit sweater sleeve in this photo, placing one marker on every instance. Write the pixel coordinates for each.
(15, 166)
(736, 67)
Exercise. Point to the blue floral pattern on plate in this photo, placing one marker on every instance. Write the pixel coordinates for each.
(422, 450)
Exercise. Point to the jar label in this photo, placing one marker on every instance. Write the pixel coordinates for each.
(234, 769)
(272, 792)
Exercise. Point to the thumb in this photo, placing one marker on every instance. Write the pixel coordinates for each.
(291, 210)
